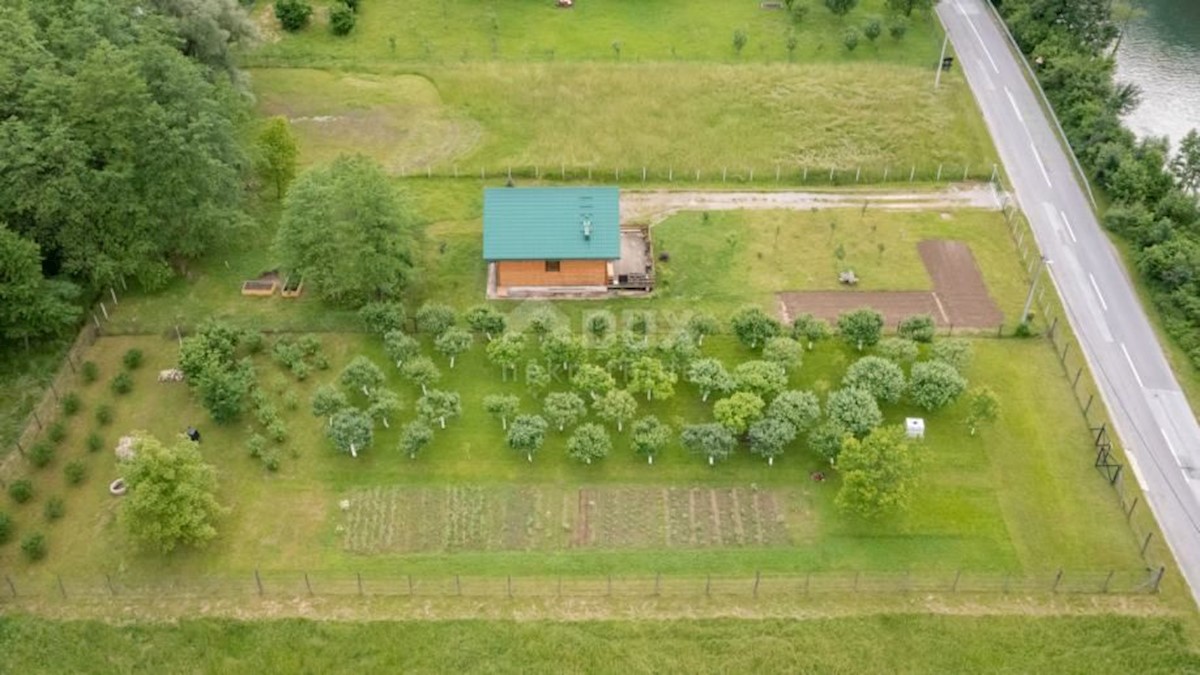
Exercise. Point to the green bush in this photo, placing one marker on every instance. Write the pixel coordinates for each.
(293, 15)
(20, 490)
(94, 442)
(75, 472)
(34, 546)
(341, 19)
(6, 528)
(277, 431)
(71, 404)
(122, 384)
(256, 445)
(873, 28)
(918, 328)
(132, 359)
(897, 28)
(270, 460)
(254, 341)
(90, 372)
(104, 414)
(54, 508)
(56, 432)
(41, 454)
(850, 39)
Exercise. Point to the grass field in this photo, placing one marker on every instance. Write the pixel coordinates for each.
(894, 643)
(687, 116)
(454, 31)
(986, 504)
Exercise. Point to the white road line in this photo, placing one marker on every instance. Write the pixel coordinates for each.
(1096, 288)
(1131, 366)
(978, 37)
(1068, 224)
(1137, 471)
(1168, 440)
(1013, 102)
(1040, 165)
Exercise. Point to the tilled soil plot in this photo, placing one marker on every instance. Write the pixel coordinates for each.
(959, 297)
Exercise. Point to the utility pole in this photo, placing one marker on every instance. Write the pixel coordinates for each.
(937, 79)
(1033, 287)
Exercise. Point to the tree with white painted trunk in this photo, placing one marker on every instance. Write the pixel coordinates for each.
(875, 374)
(414, 437)
(616, 406)
(564, 408)
(702, 325)
(769, 436)
(351, 431)
(712, 441)
(439, 405)
(452, 342)
(764, 378)
(589, 442)
(648, 376)
(505, 351)
(526, 434)
(854, 410)
(935, 384)
(785, 351)
(983, 408)
(384, 405)
(327, 400)
(484, 319)
(362, 374)
(502, 407)
(593, 381)
(423, 372)
(650, 436)
(709, 376)
(400, 347)
(801, 409)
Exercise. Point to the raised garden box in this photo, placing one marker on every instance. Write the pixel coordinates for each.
(292, 289)
(261, 288)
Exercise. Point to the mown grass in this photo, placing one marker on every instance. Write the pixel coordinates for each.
(685, 116)
(454, 31)
(892, 643)
(1020, 497)
(725, 259)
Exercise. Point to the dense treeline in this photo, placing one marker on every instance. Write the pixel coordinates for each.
(121, 128)
(1071, 44)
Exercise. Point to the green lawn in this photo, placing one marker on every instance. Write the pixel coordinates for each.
(688, 116)
(891, 644)
(454, 31)
(987, 502)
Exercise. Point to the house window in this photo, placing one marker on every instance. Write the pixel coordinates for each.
(552, 265)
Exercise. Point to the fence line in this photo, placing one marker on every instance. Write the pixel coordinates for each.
(772, 174)
(300, 583)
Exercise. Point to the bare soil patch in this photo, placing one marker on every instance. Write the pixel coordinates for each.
(959, 298)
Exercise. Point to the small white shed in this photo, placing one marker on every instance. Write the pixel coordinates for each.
(914, 427)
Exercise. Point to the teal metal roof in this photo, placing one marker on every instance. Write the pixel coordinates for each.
(551, 223)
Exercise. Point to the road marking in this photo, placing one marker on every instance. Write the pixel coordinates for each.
(978, 37)
(1040, 165)
(1096, 288)
(1131, 366)
(1068, 224)
(1137, 471)
(1013, 102)
(1168, 440)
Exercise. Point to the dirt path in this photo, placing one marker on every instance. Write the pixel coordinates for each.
(653, 206)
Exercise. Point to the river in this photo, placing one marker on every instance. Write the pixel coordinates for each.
(1161, 54)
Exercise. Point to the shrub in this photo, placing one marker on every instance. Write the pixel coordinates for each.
(918, 328)
(34, 546)
(353, 4)
(270, 460)
(41, 454)
(341, 19)
(256, 445)
(254, 341)
(291, 400)
(277, 431)
(873, 28)
(74, 472)
(6, 528)
(122, 384)
(293, 15)
(54, 508)
(897, 28)
(71, 404)
(850, 39)
(20, 490)
(104, 414)
(132, 359)
(301, 370)
(90, 372)
(94, 442)
(56, 433)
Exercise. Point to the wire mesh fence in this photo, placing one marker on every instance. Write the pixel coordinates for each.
(327, 584)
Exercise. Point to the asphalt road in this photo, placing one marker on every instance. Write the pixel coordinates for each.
(1152, 417)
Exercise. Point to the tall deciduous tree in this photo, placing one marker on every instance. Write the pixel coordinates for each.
(648, 376)
(709, 440)
(879, 473)
(209, 29)
(861, 328)
(589, 442)
(276, 154)
(769, 436)
(453, 342)
(753, 327)
(709, 375)
(841, 7)
(983, 408)
(172, 495)
(505, 351)
(809, 329)
(935, 384)
(536, 378)
(854, 410)
(346, 232)
(400, 347)
(327, 400)
(650, 436)
(209, 360)
(702, 325)
(351, 431)
(439, 405)
(526, 434)
(414, 437)
(384, 405)
(801, 409)
(361, 374)
(1186, 163)
(31, 306)
(564, 408)
(434, 318)
(484, 319)
(737, 412)
(422, 371)
(383, 318)
(882, 378)
(764, 378)
(502, 407)
(784, 351)
(617, 405)
(592, 380)
(562, 351)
